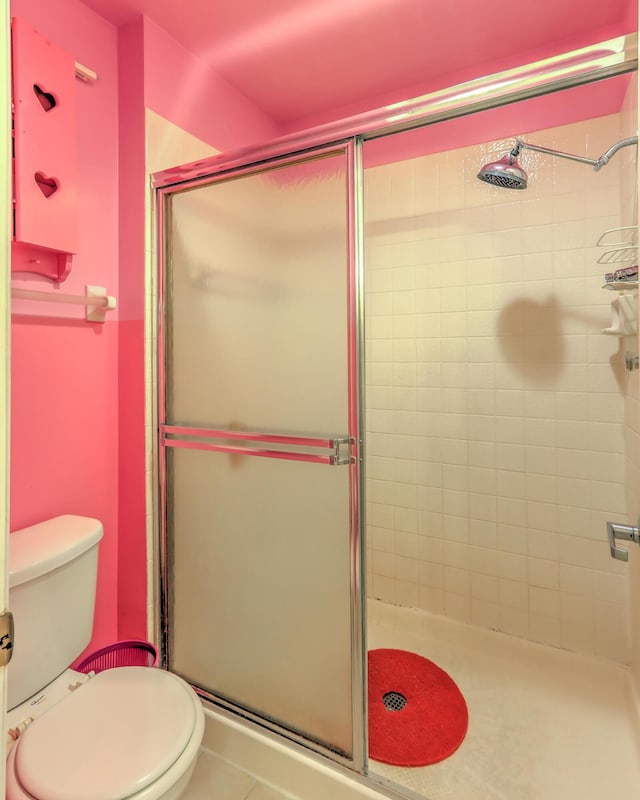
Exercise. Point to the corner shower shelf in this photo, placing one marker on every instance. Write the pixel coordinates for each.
(620, 286)
(619, 255)
(622, 244)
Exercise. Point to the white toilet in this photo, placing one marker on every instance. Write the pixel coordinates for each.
(129, 733)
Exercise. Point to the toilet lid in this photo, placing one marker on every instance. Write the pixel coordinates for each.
(110, 738)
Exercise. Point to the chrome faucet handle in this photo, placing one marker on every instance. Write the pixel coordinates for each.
(617, 530)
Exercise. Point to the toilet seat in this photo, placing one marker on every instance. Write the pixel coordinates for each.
(110, 739)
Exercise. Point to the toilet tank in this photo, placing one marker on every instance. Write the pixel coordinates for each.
(52, 587)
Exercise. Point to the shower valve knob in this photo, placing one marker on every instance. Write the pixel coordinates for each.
(616, 530)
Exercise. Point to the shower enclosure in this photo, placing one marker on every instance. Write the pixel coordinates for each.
(273, 263)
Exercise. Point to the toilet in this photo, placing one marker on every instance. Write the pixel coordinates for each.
(128, 733)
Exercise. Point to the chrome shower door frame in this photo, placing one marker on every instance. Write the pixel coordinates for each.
(343, 450)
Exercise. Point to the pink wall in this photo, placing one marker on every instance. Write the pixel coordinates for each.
(64, 436)
(201, 102)
(78, 389)
(132, 572)
(64, 448)
(207, 107)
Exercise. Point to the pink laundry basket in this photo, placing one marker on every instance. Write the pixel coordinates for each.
(128, 653)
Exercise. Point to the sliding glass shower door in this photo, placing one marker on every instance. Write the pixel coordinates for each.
(259, 445)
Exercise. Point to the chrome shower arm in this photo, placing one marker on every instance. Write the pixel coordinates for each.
(597, 163)
(522, 145)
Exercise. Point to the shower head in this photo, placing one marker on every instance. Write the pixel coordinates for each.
(506, 172)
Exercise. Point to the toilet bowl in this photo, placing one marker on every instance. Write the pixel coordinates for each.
(130, 733)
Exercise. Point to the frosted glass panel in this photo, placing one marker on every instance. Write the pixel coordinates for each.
(259, 570)
(257, 323)
(261, 587)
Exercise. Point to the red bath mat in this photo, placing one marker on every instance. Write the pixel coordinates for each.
(417, 714)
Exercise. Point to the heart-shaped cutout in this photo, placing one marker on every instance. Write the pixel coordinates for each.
(46, 185)
(46, 99)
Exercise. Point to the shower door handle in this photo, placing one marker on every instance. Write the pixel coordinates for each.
(616, 530)
(331, 450)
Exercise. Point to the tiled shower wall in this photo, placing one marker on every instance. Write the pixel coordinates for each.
(495, 404)
(632, 412)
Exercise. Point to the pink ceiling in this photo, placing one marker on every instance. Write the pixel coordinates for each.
(301, 60)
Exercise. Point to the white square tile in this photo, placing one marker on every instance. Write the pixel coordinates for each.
(404, 422)
(543, 544)
(454, 402)
(542, 488)
(510, 456)
(512, 566)
(484, 587)
(573, 463)
(482, 507)
(511, 484)
(609, 497)
(542, 516)
(483, 533)
(483, 560)
(405, 520)
(512, 539)
(455, 528)
(576, 580)
(457, 580)
(482, 480)
(511, 511)
(574, 521)
(455, 451)
(513, 594)
(403, 279)
(404, 350)
(543, 573)
(481, 454)
(455, 502)
(610, 588)
(574, 551)
(431, 548)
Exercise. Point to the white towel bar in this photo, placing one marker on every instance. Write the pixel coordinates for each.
(95, 299)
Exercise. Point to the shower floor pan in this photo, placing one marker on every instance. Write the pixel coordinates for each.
(544, 724)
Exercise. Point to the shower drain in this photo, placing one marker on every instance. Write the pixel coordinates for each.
(394, 701)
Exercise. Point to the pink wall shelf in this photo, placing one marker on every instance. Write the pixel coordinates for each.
(44, 141)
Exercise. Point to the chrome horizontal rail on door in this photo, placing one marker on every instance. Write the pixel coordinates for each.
(199, 439)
